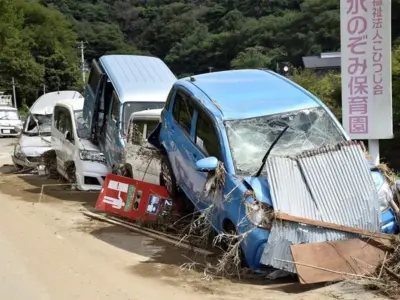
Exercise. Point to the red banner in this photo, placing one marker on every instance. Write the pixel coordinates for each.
(133, 199)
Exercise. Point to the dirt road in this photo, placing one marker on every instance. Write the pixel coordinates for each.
(49, 250)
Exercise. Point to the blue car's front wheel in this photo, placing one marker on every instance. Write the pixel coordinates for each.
(167, 177)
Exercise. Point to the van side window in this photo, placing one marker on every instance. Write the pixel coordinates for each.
(62, 121)
(115, 107)
(56, 117)
(183, 111)
(206, 136)
(94, 77)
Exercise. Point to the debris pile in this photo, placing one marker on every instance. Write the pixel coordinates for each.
(386, 278)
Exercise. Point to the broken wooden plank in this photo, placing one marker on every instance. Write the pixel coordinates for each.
(149, 234)
(368, 233)
(331, 261)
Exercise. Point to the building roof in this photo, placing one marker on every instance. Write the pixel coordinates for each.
(243, 94)
(138, 78)
(44, 105)
(325, 60)
(76, 104)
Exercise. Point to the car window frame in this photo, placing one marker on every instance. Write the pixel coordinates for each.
(201, 111)
(95, 71)
(187, 131)
(63, 112)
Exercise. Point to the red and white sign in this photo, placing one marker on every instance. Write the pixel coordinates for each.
(133, 199)
(366, 68)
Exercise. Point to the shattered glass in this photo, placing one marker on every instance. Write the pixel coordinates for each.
(82, 129)
(250, 139)
(44, 122)
(8, 115)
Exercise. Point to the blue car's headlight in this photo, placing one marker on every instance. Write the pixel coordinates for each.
(259, 213)
(385, 193)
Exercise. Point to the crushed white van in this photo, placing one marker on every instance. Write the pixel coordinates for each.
(36, 131)
(141, 159)
(76, 156)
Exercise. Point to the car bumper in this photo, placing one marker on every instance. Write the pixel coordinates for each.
(90, 175)
(7, 131)
(25, 162)
(389, 222)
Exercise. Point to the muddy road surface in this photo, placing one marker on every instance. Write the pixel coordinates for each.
(49, 250)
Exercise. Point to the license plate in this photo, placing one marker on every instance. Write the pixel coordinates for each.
(6, 131)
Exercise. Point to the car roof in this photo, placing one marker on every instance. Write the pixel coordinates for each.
(138, 78)
(148, 114)
(241, 94)
(44, 104)
(75, 104)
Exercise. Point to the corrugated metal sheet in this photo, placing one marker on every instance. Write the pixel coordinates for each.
(332, 184)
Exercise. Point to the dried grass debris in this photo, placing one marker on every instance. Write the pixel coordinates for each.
(386, 279)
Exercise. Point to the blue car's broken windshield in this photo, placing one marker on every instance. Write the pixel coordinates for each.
(249, 139)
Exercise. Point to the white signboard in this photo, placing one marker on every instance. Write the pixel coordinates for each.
(366, 68)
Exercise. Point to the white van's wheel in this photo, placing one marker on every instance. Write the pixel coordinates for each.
(70, 171)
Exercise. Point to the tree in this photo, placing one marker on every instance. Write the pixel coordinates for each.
(15, 58)
(251, 58)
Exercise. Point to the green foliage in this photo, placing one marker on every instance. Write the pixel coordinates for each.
(37, 47)
(326, 87)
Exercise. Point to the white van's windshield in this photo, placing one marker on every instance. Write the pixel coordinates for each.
(131, 107)
(8, 115)
(82, 130)
(42, 126)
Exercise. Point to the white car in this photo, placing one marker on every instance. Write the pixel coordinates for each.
(70, 140)
(10, 122)
(36, 131)
(141, 159)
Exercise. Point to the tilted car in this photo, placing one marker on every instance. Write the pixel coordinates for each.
(233, 118)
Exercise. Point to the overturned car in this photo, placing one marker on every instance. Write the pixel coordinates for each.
(251, 143)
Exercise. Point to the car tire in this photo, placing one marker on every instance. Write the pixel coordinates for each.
(127, 171)
(167, 177)
(18, 167)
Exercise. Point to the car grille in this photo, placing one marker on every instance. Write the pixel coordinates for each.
(9, 131)
(91, 180)
(34, 159)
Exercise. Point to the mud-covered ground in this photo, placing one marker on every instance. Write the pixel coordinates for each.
(49, 250)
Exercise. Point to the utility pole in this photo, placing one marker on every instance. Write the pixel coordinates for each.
(44, 89)
(14, 94)
(82, 48)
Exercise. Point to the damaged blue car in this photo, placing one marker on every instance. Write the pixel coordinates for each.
(226, 124)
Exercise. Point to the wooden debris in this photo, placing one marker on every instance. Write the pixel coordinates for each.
(375, 235)
(333, 261)
(162, 237)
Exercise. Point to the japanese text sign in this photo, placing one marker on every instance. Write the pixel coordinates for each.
(366, 68)
(133, 199)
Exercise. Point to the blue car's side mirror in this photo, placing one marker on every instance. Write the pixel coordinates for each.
(207, 164)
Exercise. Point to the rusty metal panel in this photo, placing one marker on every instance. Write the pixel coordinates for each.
(332, 184)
